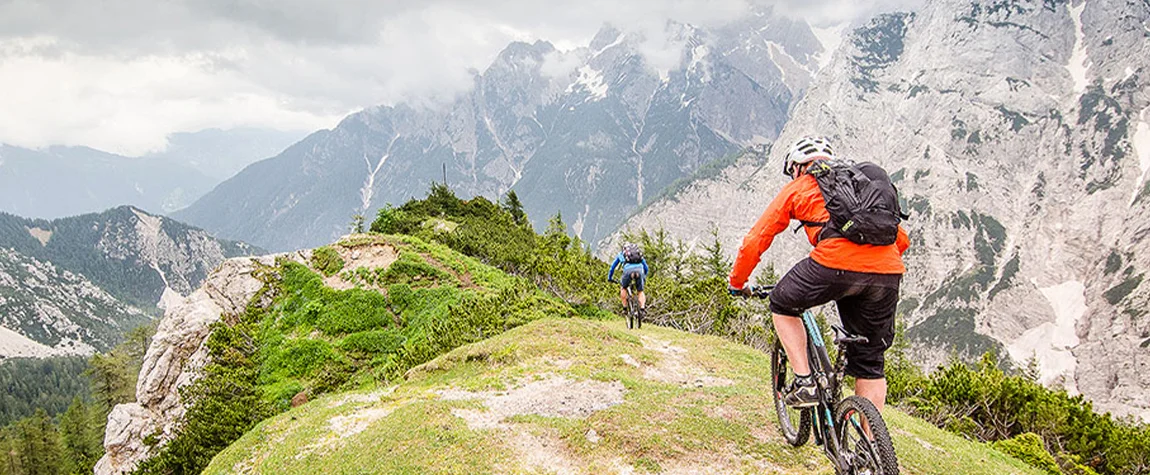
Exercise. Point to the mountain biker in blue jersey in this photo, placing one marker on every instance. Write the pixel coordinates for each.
(634, 271)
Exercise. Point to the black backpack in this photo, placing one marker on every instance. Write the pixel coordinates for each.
(862, 202)
(632, 254)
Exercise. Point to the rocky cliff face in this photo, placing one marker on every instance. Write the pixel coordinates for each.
(1017, 134)
(76, 285)
(592, 133)
(174, 359)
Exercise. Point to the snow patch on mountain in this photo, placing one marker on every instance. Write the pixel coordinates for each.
(698, 55)
(1142, 145)
(1078, 65)
(580, 220)
(618, 40)
(591, 80)
(1052, 343)
(368, 190)
(830, 37)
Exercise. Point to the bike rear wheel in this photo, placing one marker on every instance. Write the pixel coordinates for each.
(795, 424)
(631, 312)
(872, 454)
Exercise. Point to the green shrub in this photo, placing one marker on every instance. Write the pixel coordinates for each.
(326, 260)
(1029, 448)
(400, 297)
(298, 357)
(355, 310)
(411, 268)
(371, 342)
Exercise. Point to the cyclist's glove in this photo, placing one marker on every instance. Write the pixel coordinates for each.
(743, 292)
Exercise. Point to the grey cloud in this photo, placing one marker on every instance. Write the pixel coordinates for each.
(327, 58)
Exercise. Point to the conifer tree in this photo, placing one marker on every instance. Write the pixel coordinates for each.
(39, 445)
(512, 205)
(80, 435)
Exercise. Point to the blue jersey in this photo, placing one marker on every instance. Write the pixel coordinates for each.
(627, 266)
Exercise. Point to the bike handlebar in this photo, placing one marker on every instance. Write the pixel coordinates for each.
(760, 291)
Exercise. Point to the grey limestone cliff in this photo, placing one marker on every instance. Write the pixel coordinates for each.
(1017, 133)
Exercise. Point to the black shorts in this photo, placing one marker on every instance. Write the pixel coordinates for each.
(866, 304)
(634, 275)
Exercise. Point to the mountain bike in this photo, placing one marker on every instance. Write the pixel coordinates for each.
(634, 313)
(851, 430)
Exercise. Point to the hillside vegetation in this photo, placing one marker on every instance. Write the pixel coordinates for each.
(360, 329)
(363, 310)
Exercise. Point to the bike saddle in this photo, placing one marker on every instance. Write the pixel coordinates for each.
(843, 336)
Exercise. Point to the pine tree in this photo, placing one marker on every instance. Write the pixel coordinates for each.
(357, 223)
(715, 263)
(80, 435)
(39, 445)
(513, 206)
(111, 381)
(556, 233)
(9, 457)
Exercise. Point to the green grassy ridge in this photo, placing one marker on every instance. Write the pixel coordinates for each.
(311, 334)
(394, 318)
(661, 425)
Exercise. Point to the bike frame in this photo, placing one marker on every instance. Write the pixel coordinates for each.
(827, 379)
(632, 303)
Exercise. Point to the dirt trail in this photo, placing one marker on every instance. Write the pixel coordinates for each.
(675, 368)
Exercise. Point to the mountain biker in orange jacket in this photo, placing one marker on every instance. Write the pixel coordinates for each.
(862, 279)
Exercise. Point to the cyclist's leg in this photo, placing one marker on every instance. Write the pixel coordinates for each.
(870, 313)
(808, 284)
(624, 282)
(794, 339)
(640, 284)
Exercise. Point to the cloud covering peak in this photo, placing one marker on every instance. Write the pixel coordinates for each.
(121, 75)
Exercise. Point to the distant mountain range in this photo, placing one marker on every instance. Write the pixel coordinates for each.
(66, 181)
(591, 133)
(75, 285)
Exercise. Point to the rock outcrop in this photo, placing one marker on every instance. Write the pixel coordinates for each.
(174, 360)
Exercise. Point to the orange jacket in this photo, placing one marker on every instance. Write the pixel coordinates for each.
(801, 199)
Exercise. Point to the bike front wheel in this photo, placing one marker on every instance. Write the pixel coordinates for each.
(795, 424)
(863, 453)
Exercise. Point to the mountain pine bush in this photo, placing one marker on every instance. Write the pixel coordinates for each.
(983, 402)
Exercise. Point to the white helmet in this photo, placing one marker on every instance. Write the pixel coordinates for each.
(806, 150)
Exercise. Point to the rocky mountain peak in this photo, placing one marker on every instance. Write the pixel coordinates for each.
(606, 36)
(590, 133)
(1010, 128)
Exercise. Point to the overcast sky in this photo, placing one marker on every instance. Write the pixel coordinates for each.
(120, 75)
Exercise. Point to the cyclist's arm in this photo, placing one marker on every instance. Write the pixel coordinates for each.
(772, 222)
(611, 273)
(902, 241)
